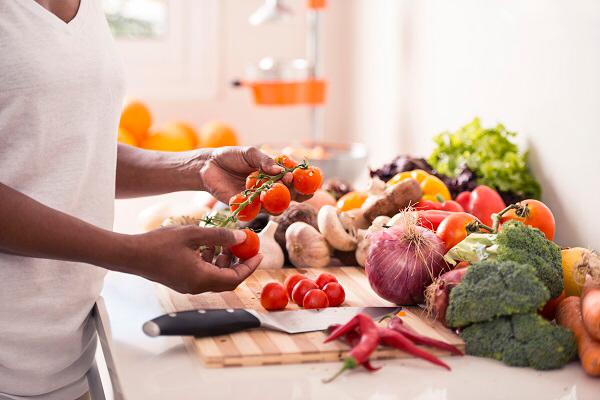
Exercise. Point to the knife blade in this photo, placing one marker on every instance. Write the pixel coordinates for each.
(214, 322)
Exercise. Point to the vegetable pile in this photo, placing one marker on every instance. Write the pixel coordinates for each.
(473, 156)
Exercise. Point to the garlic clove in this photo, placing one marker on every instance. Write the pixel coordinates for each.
(273, 256)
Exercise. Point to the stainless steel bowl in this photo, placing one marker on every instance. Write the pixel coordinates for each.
(346, 161)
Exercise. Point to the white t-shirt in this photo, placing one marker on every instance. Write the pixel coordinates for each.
(61, 90)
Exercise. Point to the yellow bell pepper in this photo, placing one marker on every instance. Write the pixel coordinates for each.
(431, 185)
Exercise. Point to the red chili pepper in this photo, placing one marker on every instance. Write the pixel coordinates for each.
(352, 338)
(397, 340)
(360, 353)
(341, 330)
(398, 325)
(431, 219)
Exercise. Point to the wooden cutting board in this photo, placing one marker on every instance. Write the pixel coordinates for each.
(263, 347)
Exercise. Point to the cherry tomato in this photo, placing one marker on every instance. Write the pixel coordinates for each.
(252, 181)
(335, 293)
(248, 248)
(301, 288)
(285, 161)
(537, 215)
(250, 211)
(315, 298)
(291, 281)
(307, 180)
(273, 297)
(351, 200)
(276, 199)
(453, 228)
(324, 278)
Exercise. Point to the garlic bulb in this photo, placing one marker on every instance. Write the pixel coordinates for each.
(306, 247)
(180, 221)
(272, 254)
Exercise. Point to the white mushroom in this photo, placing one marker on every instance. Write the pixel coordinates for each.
(335, 233)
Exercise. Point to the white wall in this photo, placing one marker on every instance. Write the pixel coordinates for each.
(532, 64)
(242, 44)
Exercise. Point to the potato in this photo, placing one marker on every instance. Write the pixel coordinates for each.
(395, 198)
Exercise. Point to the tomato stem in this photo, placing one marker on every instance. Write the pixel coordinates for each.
(253, 193)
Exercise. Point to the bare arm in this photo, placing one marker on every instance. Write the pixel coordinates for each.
(146, 172)
(166, 255)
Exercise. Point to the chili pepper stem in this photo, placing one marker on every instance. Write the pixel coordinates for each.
(349, 363)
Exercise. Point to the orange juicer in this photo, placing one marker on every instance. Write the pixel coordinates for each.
(290, 83)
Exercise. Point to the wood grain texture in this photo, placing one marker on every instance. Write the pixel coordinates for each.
(264, 347)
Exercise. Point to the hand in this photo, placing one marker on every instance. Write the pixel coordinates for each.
(224, 172)
(169, 256)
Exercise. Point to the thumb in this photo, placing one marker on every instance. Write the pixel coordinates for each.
(214, 236)
(257, 159)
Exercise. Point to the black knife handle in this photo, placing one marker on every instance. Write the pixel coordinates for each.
(201, 323)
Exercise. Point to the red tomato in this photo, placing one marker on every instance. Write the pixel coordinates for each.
(250, 211)
(335, 293)
(315, 298)
(307, 180)
(253, 182)
(273, 297)
(549, 310)
(300, 290)
(276, 199)
(324, 278)
(291, 281)
(285, 161)
(483, 202)
(453, 228)
(248, 248)
(537, 215)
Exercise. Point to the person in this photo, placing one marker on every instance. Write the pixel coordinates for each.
(61, 91)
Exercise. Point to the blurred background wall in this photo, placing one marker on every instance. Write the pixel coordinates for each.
(401, 71)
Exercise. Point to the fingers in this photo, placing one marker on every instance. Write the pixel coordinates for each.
(213, 236)
(257, 159)
(208, 253)
(223, 260)
(225, 279)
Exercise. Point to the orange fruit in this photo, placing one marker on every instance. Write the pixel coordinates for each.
(136, 118)
(217, 134)
(125, 137)
(173, 136)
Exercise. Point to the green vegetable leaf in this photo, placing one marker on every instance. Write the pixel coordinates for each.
(490, 154)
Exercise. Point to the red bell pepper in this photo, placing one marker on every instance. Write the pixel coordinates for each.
(448, 205)
(482, 203)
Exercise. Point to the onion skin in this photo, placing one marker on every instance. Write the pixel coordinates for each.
(402, 261)
(438, 293)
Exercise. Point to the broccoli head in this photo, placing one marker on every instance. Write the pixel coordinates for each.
(524, 340)
(491, 289)
(526, 245)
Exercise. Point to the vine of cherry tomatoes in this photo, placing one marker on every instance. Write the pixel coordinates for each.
(266, 192)
(323, 292)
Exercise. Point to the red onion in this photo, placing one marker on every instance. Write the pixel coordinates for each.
(438, 293)
(403, 260)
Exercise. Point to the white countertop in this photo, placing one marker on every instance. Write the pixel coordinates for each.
(161, 368)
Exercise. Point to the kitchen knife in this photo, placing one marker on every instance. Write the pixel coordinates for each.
(213, 322)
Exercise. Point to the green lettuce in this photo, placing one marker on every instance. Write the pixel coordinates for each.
(490, 154)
